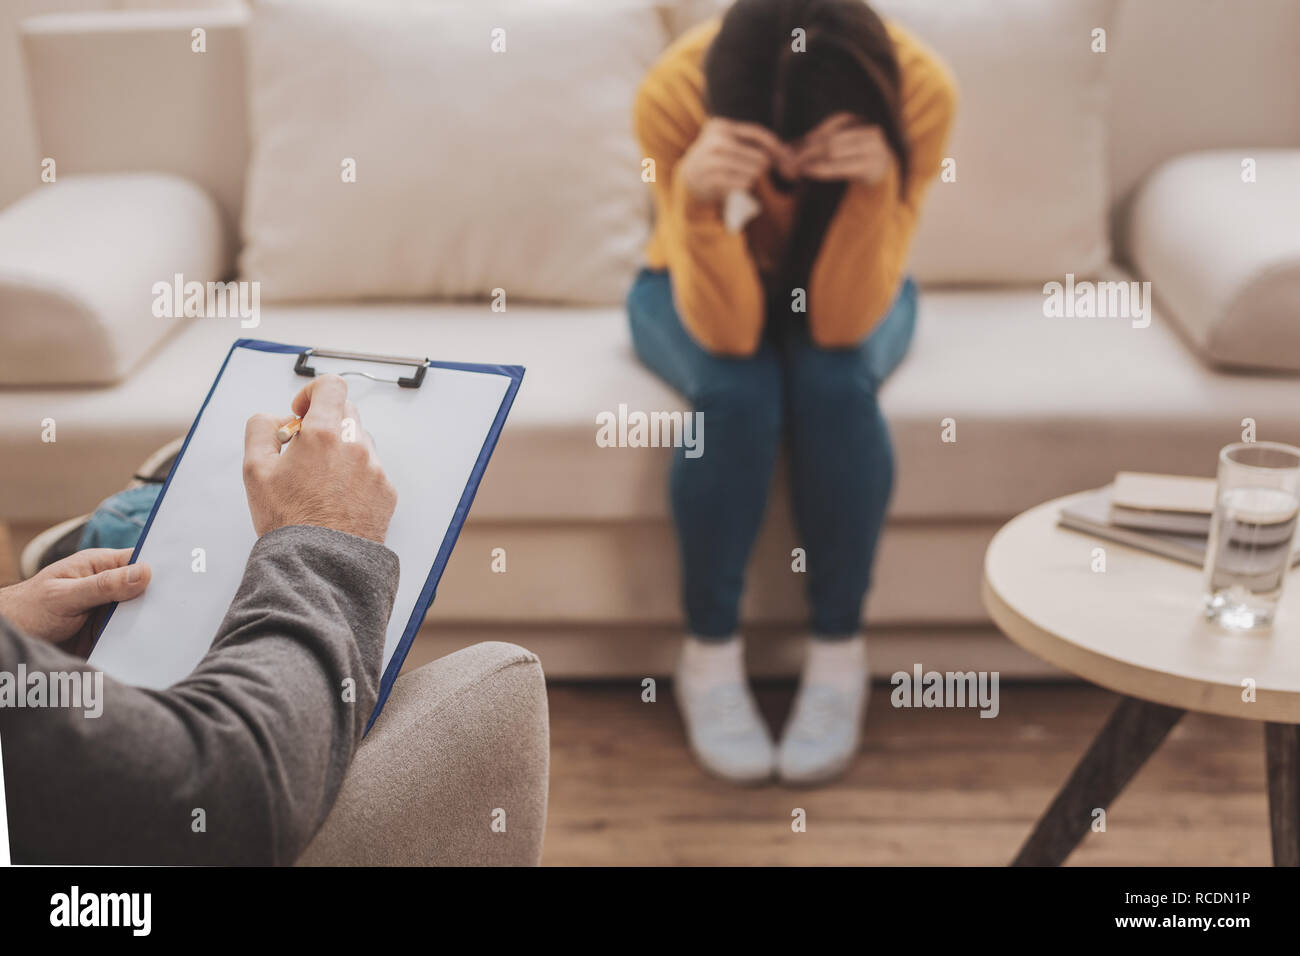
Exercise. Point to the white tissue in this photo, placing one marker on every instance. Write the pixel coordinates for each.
(739, 208)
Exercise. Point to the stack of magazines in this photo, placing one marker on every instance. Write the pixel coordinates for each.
(1164, 514)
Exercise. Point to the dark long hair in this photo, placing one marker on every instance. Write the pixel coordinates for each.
(753, 73)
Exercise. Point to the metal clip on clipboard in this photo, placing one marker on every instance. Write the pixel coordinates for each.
(413, 381)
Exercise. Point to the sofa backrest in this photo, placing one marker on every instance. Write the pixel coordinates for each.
(1198, 74)
(118, 91)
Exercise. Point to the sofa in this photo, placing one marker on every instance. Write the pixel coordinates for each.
(1080, 156)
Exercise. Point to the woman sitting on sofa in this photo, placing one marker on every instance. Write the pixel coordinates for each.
(793, 142)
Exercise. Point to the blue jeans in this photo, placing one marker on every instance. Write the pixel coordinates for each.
(841, 459)
(119, 520)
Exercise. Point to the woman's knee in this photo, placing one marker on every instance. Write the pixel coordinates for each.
(829, 382)
(742, 396)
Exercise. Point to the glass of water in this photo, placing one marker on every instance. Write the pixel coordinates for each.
(1252, 533)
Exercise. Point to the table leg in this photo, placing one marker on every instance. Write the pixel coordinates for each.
(1282, 745)
(1131, 735)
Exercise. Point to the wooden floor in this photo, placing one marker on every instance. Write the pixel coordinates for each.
(930, 787)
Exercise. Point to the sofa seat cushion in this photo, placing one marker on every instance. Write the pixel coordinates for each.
(1218, 235)
(1040, 406)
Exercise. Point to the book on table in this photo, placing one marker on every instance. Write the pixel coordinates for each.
(1094, 513)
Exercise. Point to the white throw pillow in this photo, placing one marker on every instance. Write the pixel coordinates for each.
(1222, 252)
(79, 261)
(1030, 200)
(474, 169)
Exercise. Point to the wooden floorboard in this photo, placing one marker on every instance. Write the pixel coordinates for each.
(930, 787)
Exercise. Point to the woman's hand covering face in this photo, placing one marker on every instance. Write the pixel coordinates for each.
(843, 147)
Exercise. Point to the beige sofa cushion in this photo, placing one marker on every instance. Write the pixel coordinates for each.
(1042, 406)
(78, 261)
(474, 169)
(1193, 76)
(1218, 235)
(1030, 198)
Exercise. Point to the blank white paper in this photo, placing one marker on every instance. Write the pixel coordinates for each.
(428, 440)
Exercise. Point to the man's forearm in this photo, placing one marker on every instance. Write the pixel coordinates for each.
(240, 762)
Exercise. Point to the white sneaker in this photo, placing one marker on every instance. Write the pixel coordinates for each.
(824, 731)
(725, 730)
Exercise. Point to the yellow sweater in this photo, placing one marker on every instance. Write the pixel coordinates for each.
(716, 274)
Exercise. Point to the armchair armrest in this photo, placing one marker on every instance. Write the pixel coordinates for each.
(463, 742)
(1222, 253)
(79, 259)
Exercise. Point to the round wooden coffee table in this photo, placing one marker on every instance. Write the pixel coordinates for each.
(1136, 628)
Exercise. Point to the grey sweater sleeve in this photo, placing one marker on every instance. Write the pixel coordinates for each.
(258, 738)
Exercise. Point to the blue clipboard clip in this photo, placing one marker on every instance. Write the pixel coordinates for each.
(412, 381)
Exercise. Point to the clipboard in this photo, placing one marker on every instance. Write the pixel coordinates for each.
(435, 425)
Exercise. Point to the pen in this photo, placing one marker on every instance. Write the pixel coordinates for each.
(285, 432)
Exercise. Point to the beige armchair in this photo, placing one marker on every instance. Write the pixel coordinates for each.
(454, 771)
